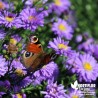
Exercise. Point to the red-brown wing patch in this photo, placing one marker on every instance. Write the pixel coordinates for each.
(34, 48)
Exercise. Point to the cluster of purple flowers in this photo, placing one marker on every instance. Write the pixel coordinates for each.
(14, 77)
(84, 65)
(28, 18)
(54, 91)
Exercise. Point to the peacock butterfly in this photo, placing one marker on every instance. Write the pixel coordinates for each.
(34, 57)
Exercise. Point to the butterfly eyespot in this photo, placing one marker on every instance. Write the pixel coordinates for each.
(34, 39)
(27, 54)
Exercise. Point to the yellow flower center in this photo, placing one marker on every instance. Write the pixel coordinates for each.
(31, 18)
(1, 5)
(57, 2)
(62, 27)
(19, 72)
(19, 95)
(62, 46)
(87, 66)
(9, 19)
(75, 96)
(13, 41)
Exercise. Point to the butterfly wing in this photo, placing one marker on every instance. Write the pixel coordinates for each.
(34, 48)
(37, 63)
(34, 61)
(29, 58)
(42, 60)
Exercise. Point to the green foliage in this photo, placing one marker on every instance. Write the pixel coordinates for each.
(87, 16)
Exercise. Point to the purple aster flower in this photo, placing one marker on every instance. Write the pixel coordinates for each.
(19, 72)
(70, 61)
(2, 34)
(75, 94)
(92, 50)
(19, 95)
(54, 91)
(16, 88)
(3, 66)
(8, 19)
(45, 73)
(20, 69)
(37, 80)
(59, 6)
(31, 19)
(62, 29)
(60, 46)
(19, 84)
(85, 45)
(5, 84)
(25, 82)
(86, 67)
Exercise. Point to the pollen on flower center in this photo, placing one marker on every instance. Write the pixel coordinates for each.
(87, 66)
(57, 2)
(19, 95)
(13, 41)
(1, 5)
(62, 46)
(62, 27)
(19, 72)
(31, 18)
(75, 96)
(9, 19)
